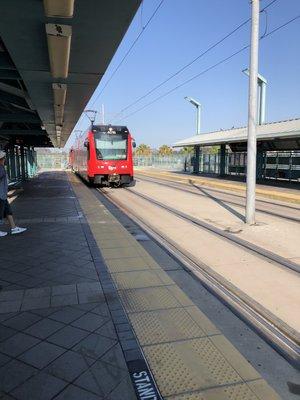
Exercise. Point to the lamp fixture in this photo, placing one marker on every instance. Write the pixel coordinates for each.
(59, 93)
(193, 101)
(59, 44)
(59, 8)
(58, 128)
(58, 114)
(198, 107)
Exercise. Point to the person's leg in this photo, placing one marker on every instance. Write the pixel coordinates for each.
(11, 221)
(8, 215)
(2, 207)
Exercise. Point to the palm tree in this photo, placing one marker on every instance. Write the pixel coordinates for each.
(143, 150)
(165, 150)
(187, 150)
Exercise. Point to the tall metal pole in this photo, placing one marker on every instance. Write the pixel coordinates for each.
(252, 116)
(198, 119)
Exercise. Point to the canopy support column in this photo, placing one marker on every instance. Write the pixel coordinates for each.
(222, 160)
(196, 159)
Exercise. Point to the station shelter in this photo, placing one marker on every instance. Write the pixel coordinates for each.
(53, 55)
(278, 151)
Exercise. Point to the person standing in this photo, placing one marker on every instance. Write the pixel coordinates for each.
(5, 209)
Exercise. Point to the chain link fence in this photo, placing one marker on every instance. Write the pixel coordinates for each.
(52, 160)
(270, 165)
(174, 161)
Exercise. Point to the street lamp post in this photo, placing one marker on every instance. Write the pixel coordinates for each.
(198, 107)
(262, 86)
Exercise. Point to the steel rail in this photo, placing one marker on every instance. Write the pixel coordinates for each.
(174, 186)
(274, 331)
(269, 255)
(212, 189)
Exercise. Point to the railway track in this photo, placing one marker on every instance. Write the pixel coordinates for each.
(276, 332)
(270, 256)
(176, 186)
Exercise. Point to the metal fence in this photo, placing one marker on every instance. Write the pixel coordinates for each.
(52, 161)
(270, 165)
(174, 161)
(20, 164)
(284, 165)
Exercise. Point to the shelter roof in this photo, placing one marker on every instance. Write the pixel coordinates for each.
(289, 129)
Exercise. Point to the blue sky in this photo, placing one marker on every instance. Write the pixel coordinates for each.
(180, 31)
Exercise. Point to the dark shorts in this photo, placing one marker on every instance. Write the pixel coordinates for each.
(5, 209)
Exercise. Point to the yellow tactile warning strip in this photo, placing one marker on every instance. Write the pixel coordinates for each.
(271, 193)
(160, 326)
(189, 357)
(154, 298)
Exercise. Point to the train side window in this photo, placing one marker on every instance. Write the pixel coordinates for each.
(87, 145)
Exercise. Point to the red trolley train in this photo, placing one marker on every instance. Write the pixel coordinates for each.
(103, 156)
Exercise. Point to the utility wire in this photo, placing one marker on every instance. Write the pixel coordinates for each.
(209, 68)
(268, 5)
(128, 51)
(191, 62)
(184, 67)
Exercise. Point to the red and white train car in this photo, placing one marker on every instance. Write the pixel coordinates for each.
(103, 156)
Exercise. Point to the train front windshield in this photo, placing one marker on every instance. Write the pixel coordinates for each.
(111, 146)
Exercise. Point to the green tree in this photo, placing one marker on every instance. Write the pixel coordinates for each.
(210, 149)
(187, 150)
(165, 150)
(143, 150)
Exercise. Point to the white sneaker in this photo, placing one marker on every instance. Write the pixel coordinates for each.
(3, 233)
(17, 229)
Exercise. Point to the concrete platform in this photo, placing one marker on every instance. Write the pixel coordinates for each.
(275, 190)
(187, 354)
(86, 297)
(267, 286)
(57, 334)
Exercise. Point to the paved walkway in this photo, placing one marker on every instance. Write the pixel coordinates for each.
(57, 336)
(86, 294)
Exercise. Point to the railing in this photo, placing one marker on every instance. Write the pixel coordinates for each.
(174, 161)
(270, 165)
(20, 164)
(52, 161)
(282, 165)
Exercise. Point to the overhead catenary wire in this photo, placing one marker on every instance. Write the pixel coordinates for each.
(208, 69)
(183, 68)
(129, 50)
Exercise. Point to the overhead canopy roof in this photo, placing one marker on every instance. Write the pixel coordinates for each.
(92, 31)
(283, 135)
